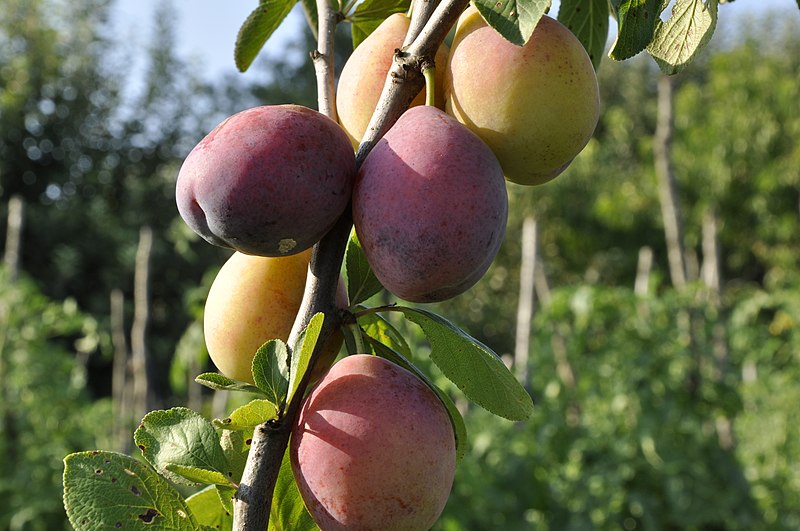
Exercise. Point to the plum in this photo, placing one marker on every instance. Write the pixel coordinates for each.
(373, 448)
(254, 299)
(536, 105)
(268, 181)
(430, 207)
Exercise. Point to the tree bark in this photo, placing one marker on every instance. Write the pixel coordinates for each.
(120, 380)
(667, 186)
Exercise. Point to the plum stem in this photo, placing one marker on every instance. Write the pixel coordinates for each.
(358, 338)
(430, 23)
(430, 85)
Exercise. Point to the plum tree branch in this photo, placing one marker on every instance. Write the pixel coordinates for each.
(323, 58)
(431, 21)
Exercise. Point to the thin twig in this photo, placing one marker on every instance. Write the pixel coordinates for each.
(323, 58)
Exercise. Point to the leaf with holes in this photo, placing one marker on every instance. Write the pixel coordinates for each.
(677, 41)
(107, 490)
(248, 416)
(183, 446)
(236, 446)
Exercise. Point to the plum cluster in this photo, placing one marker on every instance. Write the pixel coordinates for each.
(430, 207)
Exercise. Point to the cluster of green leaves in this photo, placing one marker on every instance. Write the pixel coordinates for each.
(183, 447)
(642, 421)
(45, 411)
(673, 40)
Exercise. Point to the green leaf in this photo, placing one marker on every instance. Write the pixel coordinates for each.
(225, 495)
(456, 420)
(310, 12)
(636, 22)
(220, 382)
(236, 445)
(107, 490)
(515, 20)
(288, 512)
(589, 23)
(472, 366)
(182, 445)
(382, 330)
(258, 27)
(248, 416)
(361, 281)
(369, 14)
(208, 509)
(271, 370)
(198, 475)
(302, 355)
(677, 41)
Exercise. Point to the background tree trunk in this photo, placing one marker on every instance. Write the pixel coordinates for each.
(142, 390)
(13, 250)
(121, 388)
(525, 306)
(11, 261)
(667, 187)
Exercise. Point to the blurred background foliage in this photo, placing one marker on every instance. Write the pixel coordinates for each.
(658, 407)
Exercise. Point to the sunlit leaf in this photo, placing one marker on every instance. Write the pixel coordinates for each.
(220, 382)
(302, 355)
(677, 41)
(271, 370)
(288, 512)
(248, 416)
(208, 509)
(183, 446)
(257, 28)
(472, 366)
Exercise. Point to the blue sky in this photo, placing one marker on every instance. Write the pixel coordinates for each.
(206, 29)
